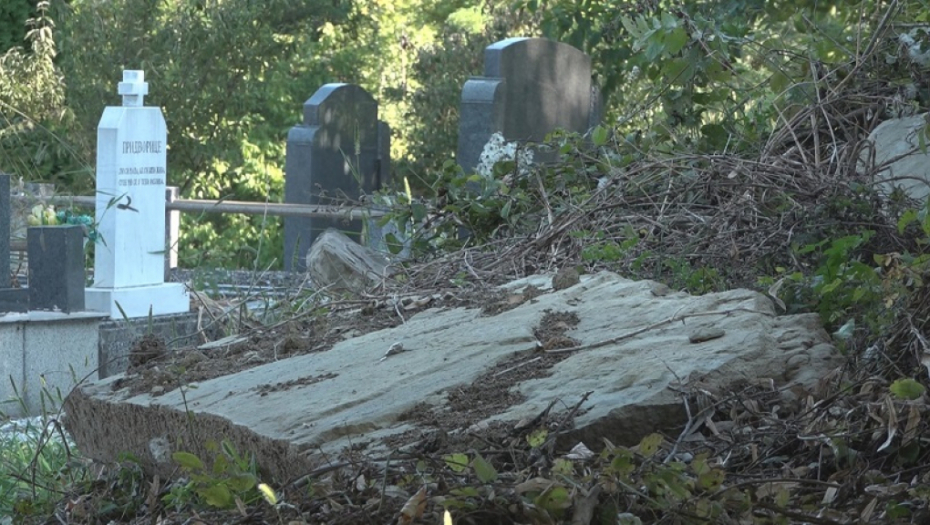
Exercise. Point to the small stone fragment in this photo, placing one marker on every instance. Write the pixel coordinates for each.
(149, 347)
(565, 278)
(192, 357)
(659, 289)
(706, 334)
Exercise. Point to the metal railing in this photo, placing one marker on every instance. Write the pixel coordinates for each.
(227, 206)
(275, 209)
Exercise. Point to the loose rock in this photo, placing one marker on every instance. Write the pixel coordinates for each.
(336, 262)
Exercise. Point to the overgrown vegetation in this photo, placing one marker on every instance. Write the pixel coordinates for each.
(732, 155)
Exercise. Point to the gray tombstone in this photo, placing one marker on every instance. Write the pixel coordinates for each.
(530, 87)
(341, 151)
(6, 214)
(56, 268)
(11, 299)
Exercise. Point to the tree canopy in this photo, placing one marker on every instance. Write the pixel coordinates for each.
(231, 76)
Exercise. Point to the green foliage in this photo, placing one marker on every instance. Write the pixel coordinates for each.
(708, 76)
(32, 111)
(427, 116)
(230, 77)
(430, 126)
(907, 389)
(638, 475)
(37, 459)
(13, 16)
(231, 477)
(683, 275)
(37, 467)
(845, 282)
(841, 286)
(510, 198)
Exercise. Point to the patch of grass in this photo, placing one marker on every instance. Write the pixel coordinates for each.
(39, 466)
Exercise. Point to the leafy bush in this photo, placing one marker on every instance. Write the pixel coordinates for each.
(229, 76)
(429, 127)
(32, 111)
(431, 130)
(230, 480)
(13, 16)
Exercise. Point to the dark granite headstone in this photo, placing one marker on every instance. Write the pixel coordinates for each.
(341, 151)
(14, 300)
(56, 268)
(531, 87)
(11, 299)
(6, 214)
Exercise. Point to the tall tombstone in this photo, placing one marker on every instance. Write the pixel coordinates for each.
(339, 152)
(129, 257)
(6, 219)
(530, 87)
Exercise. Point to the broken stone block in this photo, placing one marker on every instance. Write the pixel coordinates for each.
(337, 263)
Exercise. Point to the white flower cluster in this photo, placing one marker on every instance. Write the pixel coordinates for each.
(914, 42)
(498, 149)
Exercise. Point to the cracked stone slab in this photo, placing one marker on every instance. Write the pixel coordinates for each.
(636, 350)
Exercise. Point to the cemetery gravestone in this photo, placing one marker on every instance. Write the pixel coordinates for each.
(339, 152)
(11, 299)
(56, 269)
(530, 87)
(129, 257)
(6, 215)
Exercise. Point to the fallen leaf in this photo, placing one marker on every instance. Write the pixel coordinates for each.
(413, 508)
(533, 485)
(885, 491)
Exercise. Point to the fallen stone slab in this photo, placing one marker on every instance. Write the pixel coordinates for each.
(630, 347)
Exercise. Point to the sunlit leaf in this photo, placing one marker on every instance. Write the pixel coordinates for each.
(217, 495)
(907, 388)
(537, 437)
(457, 462)
(187, 461)
(649, 445)
(268, 494)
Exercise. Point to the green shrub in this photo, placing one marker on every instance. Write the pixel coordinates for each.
(13, 16)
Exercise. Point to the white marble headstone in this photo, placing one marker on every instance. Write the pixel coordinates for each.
(129, 258)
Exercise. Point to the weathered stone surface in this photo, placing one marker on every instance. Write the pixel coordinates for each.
(896, 138)
(336, 262)
(635, 350)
